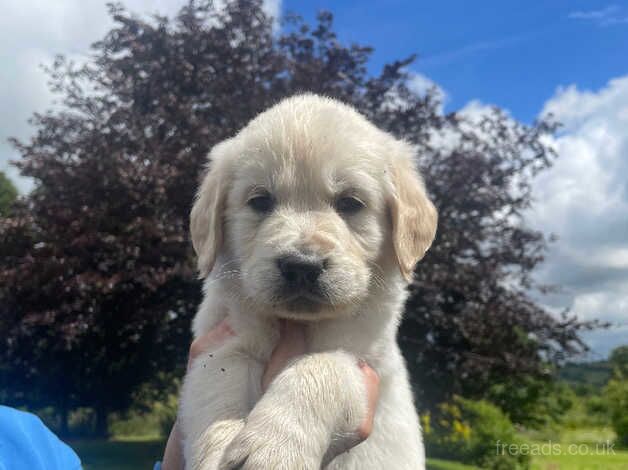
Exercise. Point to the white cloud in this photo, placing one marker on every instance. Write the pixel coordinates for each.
(421, 84)
(32, 32)
(607, 16)
(583, 199)
(475, 110)
(418, 84)
(447, 139)
(273, 9)
(480, 47)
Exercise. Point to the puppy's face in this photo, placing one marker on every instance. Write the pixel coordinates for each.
(304, 201)
(306, 226)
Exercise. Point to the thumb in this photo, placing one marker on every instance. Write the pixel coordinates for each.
(291, 344)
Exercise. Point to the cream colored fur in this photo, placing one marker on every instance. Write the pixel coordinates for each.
(305, 151)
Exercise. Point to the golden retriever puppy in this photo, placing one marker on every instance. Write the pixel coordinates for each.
(309, 213)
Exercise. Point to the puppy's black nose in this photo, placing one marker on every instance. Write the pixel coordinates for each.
(299, 272)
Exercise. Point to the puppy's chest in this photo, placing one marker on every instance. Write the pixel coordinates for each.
(260, 338)
(330, 337)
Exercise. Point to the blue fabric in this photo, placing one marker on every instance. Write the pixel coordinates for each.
(27, 444)
(157, 466)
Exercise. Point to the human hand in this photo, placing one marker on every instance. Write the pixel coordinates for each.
(214, 338)
(291, 344)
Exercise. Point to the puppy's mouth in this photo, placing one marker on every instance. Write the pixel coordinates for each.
(302, 302)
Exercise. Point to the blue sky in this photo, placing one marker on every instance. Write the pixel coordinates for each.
(510, 53)
(565, 57)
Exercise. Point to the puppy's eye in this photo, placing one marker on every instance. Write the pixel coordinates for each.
(348, 205)
(262, 203)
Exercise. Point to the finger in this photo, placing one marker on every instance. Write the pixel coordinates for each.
(291, 341)
(214, 338)
(348, 441)
(371, 380)
(291, 344)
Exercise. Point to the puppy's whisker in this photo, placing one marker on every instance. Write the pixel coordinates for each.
(377, 267)
(378, 277)
(232, 275)
(226, 275)
(329, 298)
(226, 264)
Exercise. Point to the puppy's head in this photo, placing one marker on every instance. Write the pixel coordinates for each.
(305, 202)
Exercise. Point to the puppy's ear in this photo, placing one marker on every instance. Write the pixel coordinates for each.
(206, 218)
(413, 216)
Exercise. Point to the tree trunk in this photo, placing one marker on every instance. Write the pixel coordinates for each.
(63, 425)
(101, 429)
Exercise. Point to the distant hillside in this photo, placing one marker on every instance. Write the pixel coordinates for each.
(592, 374)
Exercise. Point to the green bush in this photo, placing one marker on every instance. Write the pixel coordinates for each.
(620, 425)
(152, 412)
(587, 412)
(166, 412)
(82, 422)
(473, 432)
(8, 194)
(134, 424)
(596, 405)
(531, 402)
(151, 420)
(617, 399)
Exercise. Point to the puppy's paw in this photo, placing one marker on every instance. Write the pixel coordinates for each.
(267, 449)
(314, 399)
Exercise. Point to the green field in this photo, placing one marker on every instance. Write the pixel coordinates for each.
(118, 455)
(137, 455)
(618, 461)
(584, 449)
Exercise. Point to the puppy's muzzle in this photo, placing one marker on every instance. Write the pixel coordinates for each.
(300, 273)
(302, 288)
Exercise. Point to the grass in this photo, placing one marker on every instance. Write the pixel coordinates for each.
(139, 455)
(118, 455)
(437, 464)
(585, 448)
(588, 460)
(589, 435)
(617, 460)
